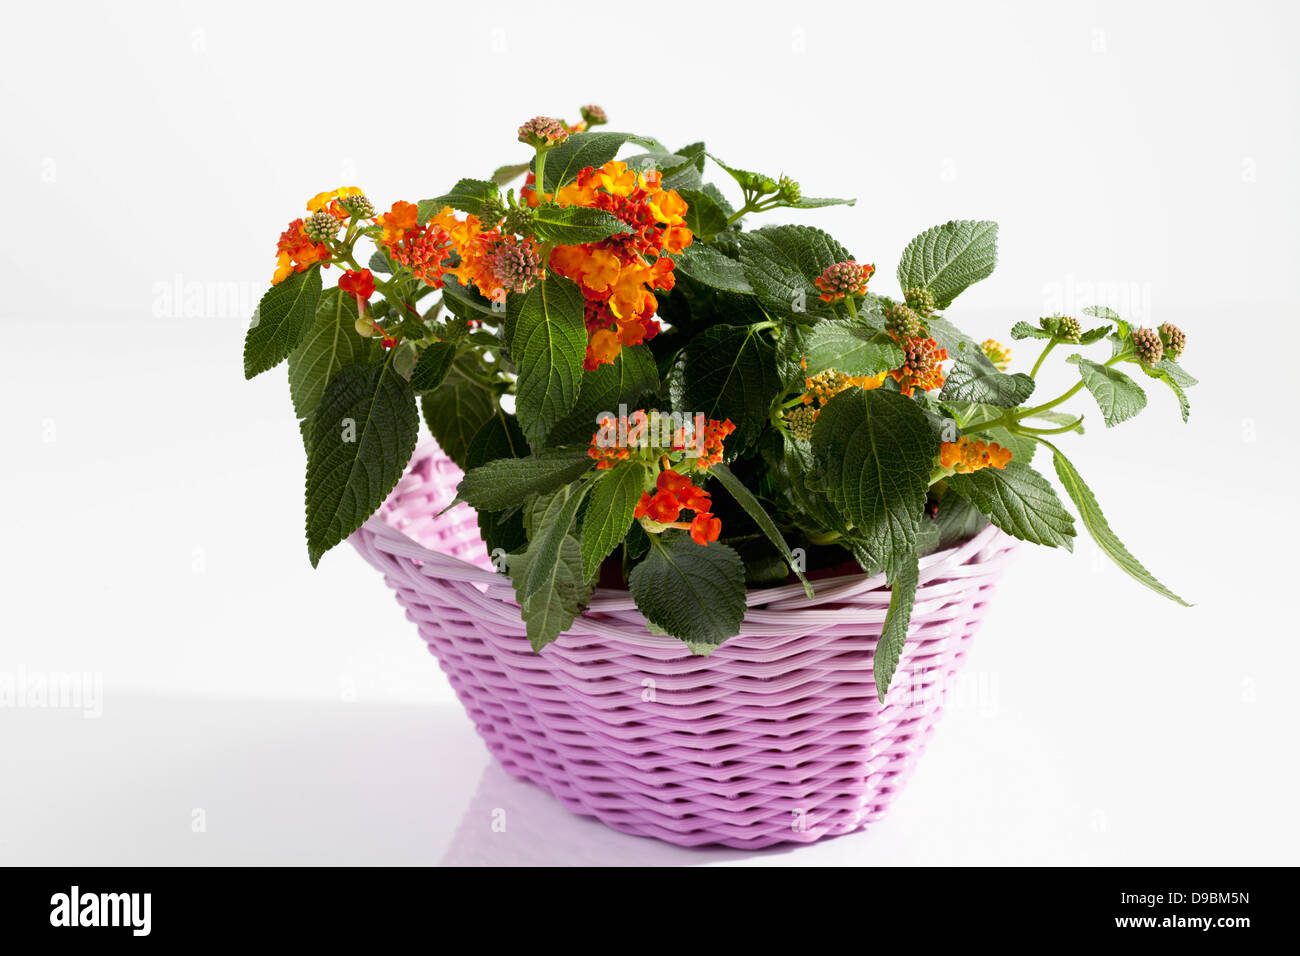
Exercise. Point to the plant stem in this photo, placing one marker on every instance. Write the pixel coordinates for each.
(540, 178)
(853, 307)
(1033, 372)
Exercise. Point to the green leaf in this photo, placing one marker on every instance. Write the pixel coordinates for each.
(695, 593)
(875, 451)
(505, 175)
(1172, 374)
(466, 302)
(548, 341)
(564, 162)
(948, 258)
(454, 411)
(814, 202)
(499, 437)
(363, 434)
(631, 377)
(707, 266)
(973, 378)
(745, 498)
(571, 225)
(1117, 395)
(704, 217)
(468, 195)
(893, 634)
(1023, 330)
(1019, 501)
(551, 609)
(852, 348)
(432, 366)
(547, 538)
(958, 521)
(1102, 312)
(1061, 418)
(728, 371)
(782, 262)
(379, 262)
(1095, 522)
(614, 498)
(505, 482)
(281, 321)
(331, 343)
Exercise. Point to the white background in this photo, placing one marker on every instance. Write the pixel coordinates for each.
(1139, 155)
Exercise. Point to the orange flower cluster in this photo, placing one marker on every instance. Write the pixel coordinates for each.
(428, 248)
(617, 274)
(295, 252)
(966, 455)
(824, 386)
(710, 445)
(921, 369)
(675, 493)
(609, 452)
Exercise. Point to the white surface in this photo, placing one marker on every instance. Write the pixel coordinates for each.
(150, 499)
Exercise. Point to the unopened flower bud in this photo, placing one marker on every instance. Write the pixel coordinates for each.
(920, 300)
(789, 190)
(1068, 328)
(1148, 345)
(843, 279)
(321, 226)
(543, 132)
(593, 115)
(516, 265)
(903, 323)
(997, 353)
(358, 207)
(518, 221)
(1173, 339)
(365, 328)
(800, 421)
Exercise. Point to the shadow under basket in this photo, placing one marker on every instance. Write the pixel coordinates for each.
(777, 737)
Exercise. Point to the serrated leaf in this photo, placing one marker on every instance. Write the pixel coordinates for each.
(564, 162)
(958, 520)
(468, 195)
(852, 348)
(875, 451)
(728, 371)
(331, 343)
(499, 437)
(626, 381)
(947, 259)
(1095, 522)
(1173, 376)
(1102, 312)
(893, 633)
(454, 411)
(704, 217)
(614, 498)
(466, 302)
(379, 262)
(815, 202)
(1117, 395)
(957, 342)
(548, 341)
(283, 319)
(363, 433)
(973, 378)
(432, 366)
(546, 539)
(782, 262)
(695, 593)
(505, 482)
(707, 266)
(1023, 330)
(745, 498)
(1019, 501)
(505, 175)
(1061, 418)
(551, 609)
(571, 225)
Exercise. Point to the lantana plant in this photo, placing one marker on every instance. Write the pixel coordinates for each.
(648, 391)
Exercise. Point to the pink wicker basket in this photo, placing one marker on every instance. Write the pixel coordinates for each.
(776, 737)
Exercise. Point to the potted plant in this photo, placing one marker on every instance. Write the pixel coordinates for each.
(700, 491)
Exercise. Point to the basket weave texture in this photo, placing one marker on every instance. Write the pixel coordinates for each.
(777, 737)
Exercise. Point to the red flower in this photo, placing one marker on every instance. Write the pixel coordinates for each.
(705, 528)
(361, 284)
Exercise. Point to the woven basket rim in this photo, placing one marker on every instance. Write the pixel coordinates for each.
(783, 599)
